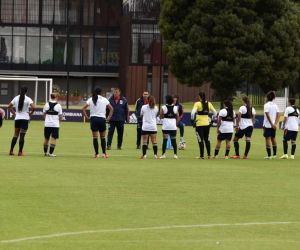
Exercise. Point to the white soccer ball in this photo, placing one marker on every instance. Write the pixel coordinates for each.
(181, 146)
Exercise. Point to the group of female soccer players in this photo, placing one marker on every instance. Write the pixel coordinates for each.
(227, 120)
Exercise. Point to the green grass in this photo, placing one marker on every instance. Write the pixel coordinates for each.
(74, 192)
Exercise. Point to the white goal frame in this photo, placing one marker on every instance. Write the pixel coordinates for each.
(48, 83)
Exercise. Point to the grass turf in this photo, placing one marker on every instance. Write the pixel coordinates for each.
(74, 192)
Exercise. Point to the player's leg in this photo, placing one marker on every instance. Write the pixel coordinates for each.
(207, 140)
(274, 145)
(294, 146)
(111, 130)
(164, 146)
(248, 135)
(228, 145)
(285, 145)
(268, 143)
(46, 140)
(144, 147)
(154, 144)
(200, 138)
(174, 142)
(102, 132)
(14, 140)
(23, 131)
(138, 135)
(54, 138)
(120, 130)
(181, 131)
(217, 149)
(236, 145)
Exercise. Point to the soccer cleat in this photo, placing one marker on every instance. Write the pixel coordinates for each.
(21, 154)
(138, 147)
(119, 148)
(175, 157)
(163, 157)
(235, 157)
(226, 157)
(143, 157)
(274, 157)
(268, 158)
(105, 156)
(284, 157)
(11, 153)
(46, 154)
(292, 157)
(214, 157)
(108, 148)
(97, 156)
(155, 157)
(245, 157)
(52, 155)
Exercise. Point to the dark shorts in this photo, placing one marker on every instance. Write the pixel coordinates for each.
(171, 133)
(269, 132)
(21, 124)
(290, 135)
(247, 132)
(149, 132)
(1, 121)
(98, 124)
(51, 132)
(225, 136)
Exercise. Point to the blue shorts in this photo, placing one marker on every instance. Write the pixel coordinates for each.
(98, 124)
(247, 132)
(51, 132)
(269, 132)
(21, 124)
(225, 136)
(290, 135)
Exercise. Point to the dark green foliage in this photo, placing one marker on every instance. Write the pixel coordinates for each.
(228, 42)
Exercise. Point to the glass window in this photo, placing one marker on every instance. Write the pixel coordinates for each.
(5, 30)
(74, 51)
(113, 51)
(19, 49)
(134, 48)
(6, 11)
(74, 11)
(60, 12)
(5, 49)
(33, 50)
(46, 50)
(46, 32)
(88, 12)
(19, 31)
(60, 50)
(33, 11)
(144, 51)
(87, 44)
(100, 51)
(19, 11)
(32, 31)
(48, 11)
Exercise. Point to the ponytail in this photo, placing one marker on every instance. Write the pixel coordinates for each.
(203, 99)
(151, 101)
(229, 106)
(22, 98)
(248, 105)
(96, 92)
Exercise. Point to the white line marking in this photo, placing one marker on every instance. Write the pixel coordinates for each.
(59, 235)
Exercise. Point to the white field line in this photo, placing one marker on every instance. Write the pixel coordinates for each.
(60, 235)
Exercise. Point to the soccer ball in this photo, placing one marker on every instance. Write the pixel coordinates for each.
(181, 146)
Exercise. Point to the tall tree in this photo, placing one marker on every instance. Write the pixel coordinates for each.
(228, 42)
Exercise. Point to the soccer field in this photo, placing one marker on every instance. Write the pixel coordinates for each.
(77, 202)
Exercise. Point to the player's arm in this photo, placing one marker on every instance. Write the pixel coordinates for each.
(84, 108)
(219, 124)
(11, 109)
(277, 119)
(177, 118)
(269, 119)
(32, 109)
(60, 115)
(161, 115)
(238, 119)
(111, 111)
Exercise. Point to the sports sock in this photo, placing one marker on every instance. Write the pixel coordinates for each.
(21, 142)
(217, 152)
(164, 147)
(294, 149)
(45, 148)
(13, 143)
(96, 145)
(207, 144)
(174, 144)
(155, 149)
(52, 148)
(103, 145)
(268, 148)
(237, 148)
(275, 150)
(227, 151)
(144, 149)
(247, 149)
(201, 147)
(285, 147)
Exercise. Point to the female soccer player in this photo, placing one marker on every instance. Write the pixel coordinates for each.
(149, 113)
(170, 116)
(271, 119)
(225, 127)
(291, 128)
(200, 118)
(19, 107)
(53, 115)
(98, 105)
(244, 127)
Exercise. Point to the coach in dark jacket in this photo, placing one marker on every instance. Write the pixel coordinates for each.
(138, 106)
(120, 116)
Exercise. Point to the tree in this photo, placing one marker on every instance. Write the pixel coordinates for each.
(228, 42)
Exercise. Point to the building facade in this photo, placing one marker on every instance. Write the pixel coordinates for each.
(82, 44)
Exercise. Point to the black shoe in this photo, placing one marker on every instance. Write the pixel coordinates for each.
(138, 147)
(119, 148)
(108, 148)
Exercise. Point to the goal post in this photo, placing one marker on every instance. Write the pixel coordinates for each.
(32, 79)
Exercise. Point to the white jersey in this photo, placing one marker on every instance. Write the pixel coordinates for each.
(292, 123)
(246, 122)
(52, 120)
(98, 110)
(169, 123)
(24, 113)
(226, 126)
(149, 118)
(272, 109)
